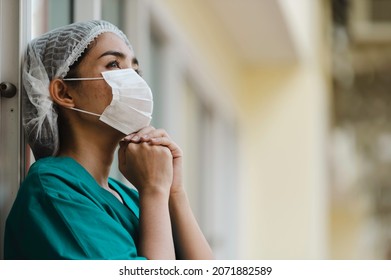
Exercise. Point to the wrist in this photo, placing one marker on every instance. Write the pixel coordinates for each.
(156, 191)
(177, 190)
(178, 197)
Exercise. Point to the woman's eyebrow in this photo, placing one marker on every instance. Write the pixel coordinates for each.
(114, 53)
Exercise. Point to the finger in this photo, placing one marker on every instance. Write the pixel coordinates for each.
(123, 143)
(167, 142)
(136, 136)
(146, 134)
(128, 137)
(156, 133)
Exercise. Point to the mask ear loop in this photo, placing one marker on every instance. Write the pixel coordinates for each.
(83, 111)
(82, 79)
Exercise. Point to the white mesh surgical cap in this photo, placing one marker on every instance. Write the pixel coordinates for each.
(50, 56)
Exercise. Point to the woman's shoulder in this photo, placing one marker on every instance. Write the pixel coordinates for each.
(47, 178)
(53, 164)
(53, 172)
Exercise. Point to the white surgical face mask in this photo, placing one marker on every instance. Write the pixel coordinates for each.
(132, 104)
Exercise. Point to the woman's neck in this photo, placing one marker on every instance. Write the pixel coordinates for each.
(93, 150)
(94, 161)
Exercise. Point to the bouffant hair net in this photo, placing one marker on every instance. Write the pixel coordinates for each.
(47, 57)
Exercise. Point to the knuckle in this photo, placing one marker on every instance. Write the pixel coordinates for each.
(166, 152)
(131, 147)
(144, 145)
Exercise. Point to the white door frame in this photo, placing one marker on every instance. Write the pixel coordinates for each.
(14, 34)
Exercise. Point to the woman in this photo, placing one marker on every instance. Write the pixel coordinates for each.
(83, 98)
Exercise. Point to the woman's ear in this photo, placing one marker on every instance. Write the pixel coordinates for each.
(60, 94)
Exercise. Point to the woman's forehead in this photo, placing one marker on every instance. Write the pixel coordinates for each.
(110, 43)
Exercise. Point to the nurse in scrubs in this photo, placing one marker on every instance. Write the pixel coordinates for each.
(83, 97)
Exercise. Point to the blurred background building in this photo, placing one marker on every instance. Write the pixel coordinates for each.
(280, 106)
(361, 132)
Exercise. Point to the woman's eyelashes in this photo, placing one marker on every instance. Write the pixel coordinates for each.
(113, 64)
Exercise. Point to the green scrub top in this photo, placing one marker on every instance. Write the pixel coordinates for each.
(61, 212)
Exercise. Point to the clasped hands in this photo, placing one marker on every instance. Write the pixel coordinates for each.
(151, 161)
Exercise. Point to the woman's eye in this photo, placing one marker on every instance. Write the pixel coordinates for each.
(113, 64)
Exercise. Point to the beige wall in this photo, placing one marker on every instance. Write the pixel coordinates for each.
(208, 38)
(283, 159)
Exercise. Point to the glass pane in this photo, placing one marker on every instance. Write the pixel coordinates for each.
(49, 14)
(112, 11)
(59, 13)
